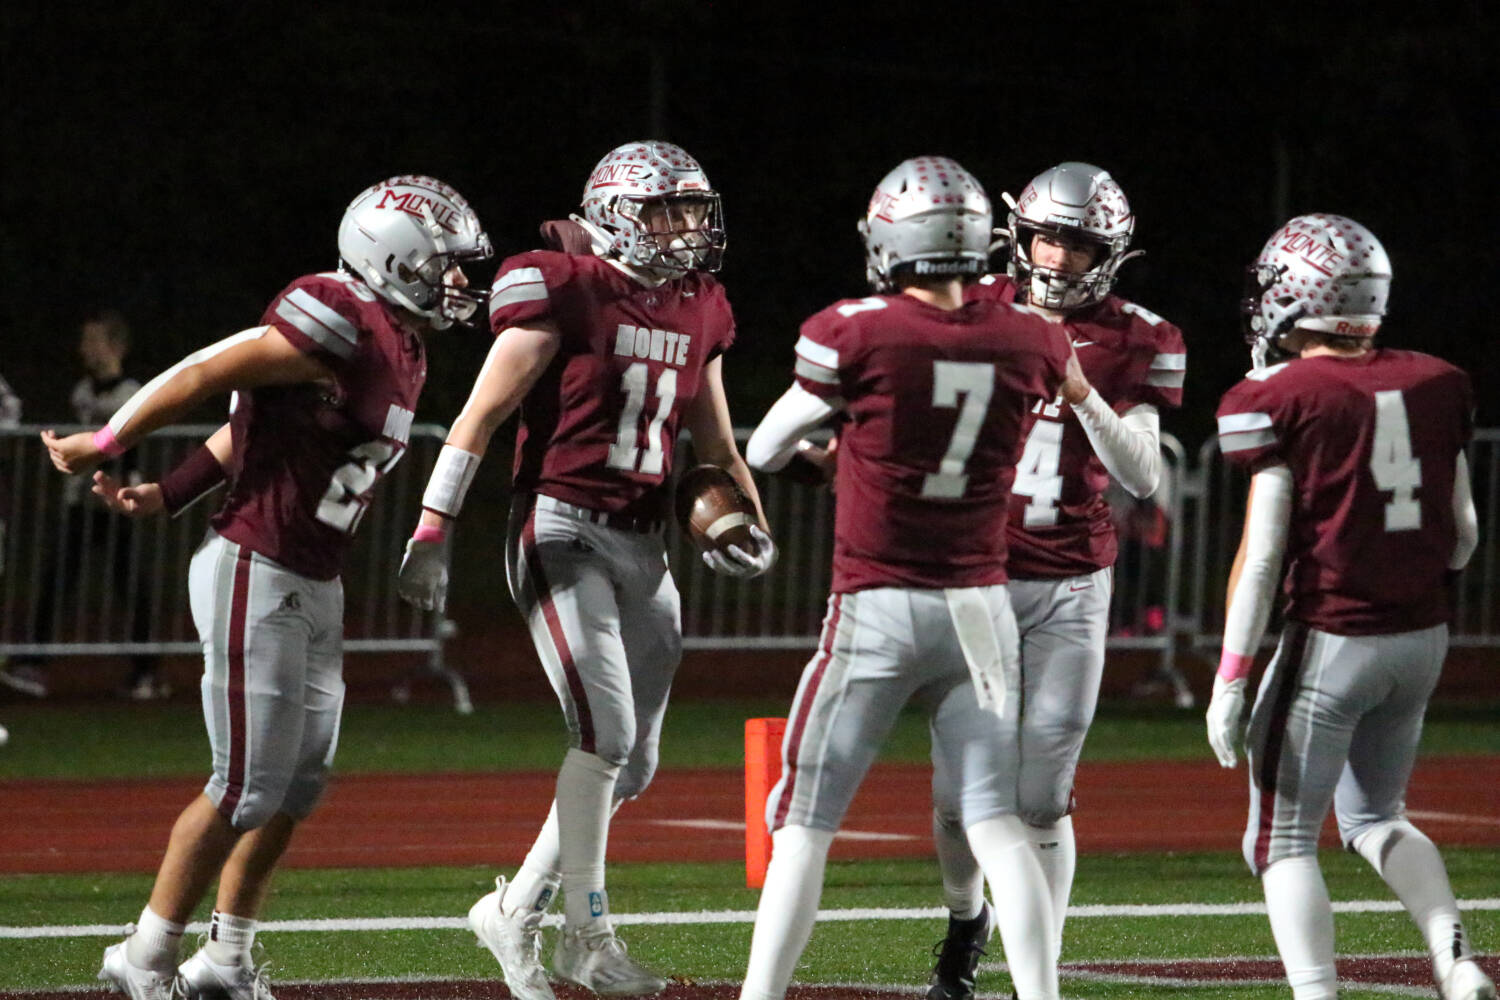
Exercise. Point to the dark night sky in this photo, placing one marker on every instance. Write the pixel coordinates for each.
(185, 164)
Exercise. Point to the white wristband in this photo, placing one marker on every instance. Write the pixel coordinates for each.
(451, 476)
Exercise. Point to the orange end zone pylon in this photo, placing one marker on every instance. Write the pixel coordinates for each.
(762, 771)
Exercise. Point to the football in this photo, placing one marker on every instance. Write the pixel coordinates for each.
(714, 511)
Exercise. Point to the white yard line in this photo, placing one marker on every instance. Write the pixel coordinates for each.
(364, 924)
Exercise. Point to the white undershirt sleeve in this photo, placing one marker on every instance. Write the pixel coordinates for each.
(1465, 520)
(1267, 522)
(775, 441)
(134, 403)
(1128, 445)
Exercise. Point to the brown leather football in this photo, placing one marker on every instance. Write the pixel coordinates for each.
(714, 511)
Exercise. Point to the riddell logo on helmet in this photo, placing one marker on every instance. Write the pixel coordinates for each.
(411, 203)
(1349, 329)
(1319, 255)
(943, 266)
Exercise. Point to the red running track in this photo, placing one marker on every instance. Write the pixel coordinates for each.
(484, 819)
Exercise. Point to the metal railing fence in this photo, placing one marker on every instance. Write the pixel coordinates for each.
(80, 581)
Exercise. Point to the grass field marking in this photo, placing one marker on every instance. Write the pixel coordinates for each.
(344, 924)
(729, 824)
(1447, 817)
(1200, 984)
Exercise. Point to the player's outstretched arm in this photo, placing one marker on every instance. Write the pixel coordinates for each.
(1252, 587)
(516, 360)
(255, 357)
(187, 483)
(707, 420)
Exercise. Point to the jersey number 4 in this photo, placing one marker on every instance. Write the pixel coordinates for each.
(967, 385)
(1394, 468)
(625, 453)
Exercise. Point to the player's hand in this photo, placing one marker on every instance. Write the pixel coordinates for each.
(1075, 387)
(423, 578)
(72, 454)
(143, 500)
(736, 562)
(1224, 711)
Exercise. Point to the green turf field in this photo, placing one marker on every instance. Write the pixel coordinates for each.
(112, 739)
(876, 949)
(100, 739)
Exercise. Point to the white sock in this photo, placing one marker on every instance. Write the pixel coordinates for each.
(155, 943)
(229, 937)
(1410, 864)
(1023, 904)
(963, 882)
(585, 793)
(788, 907)
(1057, 853)
(1302, 923)
(534, 887)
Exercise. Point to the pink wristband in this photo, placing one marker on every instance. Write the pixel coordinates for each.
(104, 440)
(1233, 666)
(429, 533)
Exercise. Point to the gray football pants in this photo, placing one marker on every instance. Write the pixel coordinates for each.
(605, 618)
(273, 685)
(881, 648)
(1063, 626)
(1336, 723)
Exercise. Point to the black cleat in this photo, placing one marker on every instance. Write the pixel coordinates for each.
(958, 956)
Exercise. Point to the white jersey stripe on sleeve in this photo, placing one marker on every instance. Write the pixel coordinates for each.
(816, 373)
(123, 414)
(1169, 362)
(324, 314)
(316, 331)
(1166, 380)
(818, 354)
(524, 284)
(1245, 440)
(1231, 423)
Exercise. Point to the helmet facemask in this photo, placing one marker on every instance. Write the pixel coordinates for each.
(1057, 289)
(674, 233)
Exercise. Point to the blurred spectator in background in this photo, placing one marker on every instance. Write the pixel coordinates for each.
(93, 543)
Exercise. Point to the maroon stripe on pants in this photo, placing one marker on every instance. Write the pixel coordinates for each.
(543, 593)
(804, 708)
(239, 607)
(1270, 765)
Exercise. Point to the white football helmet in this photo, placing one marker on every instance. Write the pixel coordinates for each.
(929, 216)
(1318, 272)
(1078, 202)
(650, 204)
(403, 235)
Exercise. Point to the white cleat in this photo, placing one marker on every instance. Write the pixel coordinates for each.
(138, 984)
(204, 979)
(516, 943)
(600, 963)
(1466, 981)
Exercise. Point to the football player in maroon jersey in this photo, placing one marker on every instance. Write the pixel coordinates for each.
(936, 391)
(1360, 483)
(606, 354)
(1069, 232)
(325, 389)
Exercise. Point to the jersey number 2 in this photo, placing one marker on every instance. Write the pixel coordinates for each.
(625, 453)
(1395, 469)
(348, 492)
(975, 382)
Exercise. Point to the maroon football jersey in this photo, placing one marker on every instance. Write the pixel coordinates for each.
(307, 457)
(1371, 443)
(598, 428)
(1059, 523)
(937, 401)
